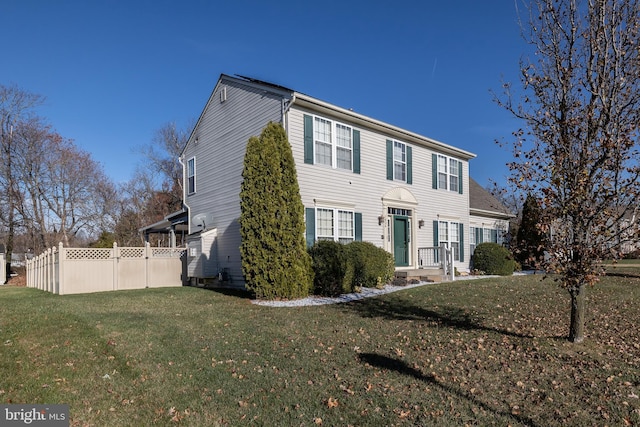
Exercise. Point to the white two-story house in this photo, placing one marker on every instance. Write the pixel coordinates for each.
(359, 178)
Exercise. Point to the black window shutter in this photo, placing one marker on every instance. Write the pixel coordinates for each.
(358, 226)
(356, 151)
(389, 159)
(310, 220)
(409, 166)
(434, 171)
(308, 139)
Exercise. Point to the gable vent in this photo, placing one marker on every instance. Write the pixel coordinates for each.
(223, 94)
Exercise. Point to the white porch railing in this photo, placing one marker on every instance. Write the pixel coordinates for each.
(437, 257)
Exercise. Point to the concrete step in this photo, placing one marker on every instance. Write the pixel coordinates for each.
(419, 275)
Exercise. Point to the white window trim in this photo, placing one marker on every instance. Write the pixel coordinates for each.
(334, 143)
(336, 226)
(451, 230)
(447, 172)
(402, 162)
(191, 176)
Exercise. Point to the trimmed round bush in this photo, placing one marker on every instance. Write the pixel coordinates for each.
(342, 269)
(368, 265)
(329, 263)
(492, 258)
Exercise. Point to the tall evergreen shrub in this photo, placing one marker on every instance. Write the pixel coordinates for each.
(530, 240)
(275, 262)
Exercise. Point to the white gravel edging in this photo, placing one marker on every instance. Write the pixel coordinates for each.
(365, 293)
(315, 300)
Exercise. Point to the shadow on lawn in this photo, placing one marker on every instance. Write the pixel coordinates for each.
(398, 309)
(401, 367)
(232, 292)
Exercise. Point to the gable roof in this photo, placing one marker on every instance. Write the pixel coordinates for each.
(308, 102)
(481, 202)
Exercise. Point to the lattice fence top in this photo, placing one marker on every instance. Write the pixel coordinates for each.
(131, 252)
(167, 252)
(89, 253)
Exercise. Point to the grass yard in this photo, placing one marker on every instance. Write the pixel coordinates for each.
(484, 352)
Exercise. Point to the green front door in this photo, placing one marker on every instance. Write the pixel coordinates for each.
(401, 240)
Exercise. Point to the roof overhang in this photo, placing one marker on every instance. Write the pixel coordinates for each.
(319, 106)
(177, 221)
(491, 214)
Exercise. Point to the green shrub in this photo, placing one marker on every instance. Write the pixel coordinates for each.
(492, 258)
(329, 261)
(368, 265)
(340, 269)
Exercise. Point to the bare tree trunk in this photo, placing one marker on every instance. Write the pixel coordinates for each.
(576, 328)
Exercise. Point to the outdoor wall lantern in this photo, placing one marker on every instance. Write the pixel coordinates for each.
(421, 223)
(380, 220)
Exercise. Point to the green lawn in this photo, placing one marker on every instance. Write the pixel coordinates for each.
(483, 352)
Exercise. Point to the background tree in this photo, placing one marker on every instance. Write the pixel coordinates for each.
(530, 240)
(275, 262)
(15, 105)
(161, 157)
(580, 102)
(155, 190)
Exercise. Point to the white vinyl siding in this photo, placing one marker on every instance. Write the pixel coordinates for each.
(365, 190)
(222, 133)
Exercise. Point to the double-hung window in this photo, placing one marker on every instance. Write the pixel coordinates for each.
(335, 224)
(191, 175)
(344, 148)
(449, 234)
(472, 240)
(333, 144)
(399, 161)
(447, 173)
(322, 142)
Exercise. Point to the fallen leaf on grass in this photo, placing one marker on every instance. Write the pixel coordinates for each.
(332, 403)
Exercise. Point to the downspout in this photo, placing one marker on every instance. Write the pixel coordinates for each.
(184, 195)
(285, 110)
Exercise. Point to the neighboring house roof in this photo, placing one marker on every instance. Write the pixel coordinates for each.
(309, 102)
(483, 203)
(178, 219)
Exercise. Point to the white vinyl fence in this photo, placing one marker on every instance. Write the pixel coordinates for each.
(82, 270)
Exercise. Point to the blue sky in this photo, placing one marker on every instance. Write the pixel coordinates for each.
(113, 72)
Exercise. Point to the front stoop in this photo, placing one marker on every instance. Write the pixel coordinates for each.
(403, 277)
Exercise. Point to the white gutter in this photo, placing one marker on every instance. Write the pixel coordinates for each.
(385, 128)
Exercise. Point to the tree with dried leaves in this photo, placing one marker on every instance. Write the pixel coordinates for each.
(155, 190)
(578, 153)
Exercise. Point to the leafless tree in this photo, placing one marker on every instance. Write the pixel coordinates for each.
(76, 191)
(578, 153)
(161, 158)
(155, 190)
(15, 105)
